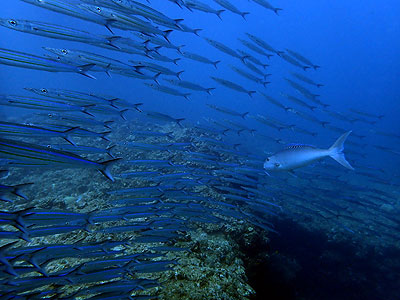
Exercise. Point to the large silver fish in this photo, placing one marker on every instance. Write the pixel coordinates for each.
(58, 32)
(298, 156)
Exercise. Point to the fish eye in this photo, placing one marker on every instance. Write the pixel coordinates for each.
(12, 22)
(98, 8)
(277, 164)
(48, 146)
(64, 51)
(267, 159)
(44, 91)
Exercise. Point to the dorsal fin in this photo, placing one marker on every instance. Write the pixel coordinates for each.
(298, 146)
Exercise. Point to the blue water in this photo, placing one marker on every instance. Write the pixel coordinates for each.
(356, 44)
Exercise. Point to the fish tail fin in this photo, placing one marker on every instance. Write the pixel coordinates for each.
(155, 78)
(103, 135)
(136, 105)
(17, 190)
(178, 121)
(111, 102)
(67, 132)
(244, 115)
(219, 12)
(85, 107)
(244, 57)
(336, 151)
(215, 63)
(179, 48)
(106, 168)
(265, 83)
(316, 67)
(269, 56)
(276, 10)
(177, 23)
(305, 68)
(166, 34)
(178, 74)
(138, 69)
(209, 90)
(121, 113)
(319, 85)
(225, 131)
(251, 93)
(108, 150)
(243, 14)
(175, 61)
(196, 31)
(186, 96)
(111, 39)
(83, 70)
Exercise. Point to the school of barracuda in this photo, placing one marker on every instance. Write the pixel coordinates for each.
(170, 175)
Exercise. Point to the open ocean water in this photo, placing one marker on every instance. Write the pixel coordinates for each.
(185, 149)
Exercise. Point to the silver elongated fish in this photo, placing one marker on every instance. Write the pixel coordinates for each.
(260, 42)
(275, 102)
(268, 5)
(233, 86)
(254, 69)
(123, 21)
(137, 8)
(34, 155)
(168, 90)
(224, 48)
(156, 68)
(293, 61)
(255, 48)
(70, 9)
(306, 79)
(30, 61)
(164, 117)
(102, 63)
(190, 85)
(29, 131)
(156, 40)
(298, 156)
(252, 58)
(199, 58)
(228, 111)
(229, 6)
(58, 32)
(301, 58)
(197, 5)
(249, 76)
(41, 104)
(298, 101)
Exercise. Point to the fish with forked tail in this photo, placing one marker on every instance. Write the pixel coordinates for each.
(298, 156)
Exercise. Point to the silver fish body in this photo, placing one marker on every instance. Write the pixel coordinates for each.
(298, 156)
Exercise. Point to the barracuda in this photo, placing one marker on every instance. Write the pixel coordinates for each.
(30, 61)
(41, 156)
(57, 32)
